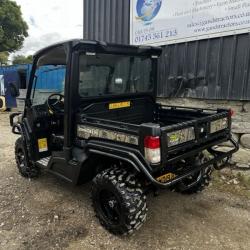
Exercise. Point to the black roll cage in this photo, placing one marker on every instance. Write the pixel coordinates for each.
(73, 49)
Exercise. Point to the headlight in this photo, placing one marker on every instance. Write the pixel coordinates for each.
(218, 125)
(180, 136)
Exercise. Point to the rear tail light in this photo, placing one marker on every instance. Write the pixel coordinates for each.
(231, 113)
(152, 148)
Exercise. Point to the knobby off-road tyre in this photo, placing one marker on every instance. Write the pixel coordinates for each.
(25, 167)
(119, 201)
(205, 178)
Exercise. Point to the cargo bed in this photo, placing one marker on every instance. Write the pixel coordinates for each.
(183, 131)
(163, 121)
(146, 111)
(142, 111)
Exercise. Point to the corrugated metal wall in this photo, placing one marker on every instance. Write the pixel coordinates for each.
(51, 77)
(107, 20)
(17, 67)
(213, 68)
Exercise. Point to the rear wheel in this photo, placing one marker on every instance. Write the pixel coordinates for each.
(25, 167)
(197, 182)
(118, 201)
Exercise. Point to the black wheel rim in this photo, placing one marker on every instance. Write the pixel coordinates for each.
(110, 206)
(21, 160)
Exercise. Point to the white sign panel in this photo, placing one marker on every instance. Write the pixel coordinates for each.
(159, 22)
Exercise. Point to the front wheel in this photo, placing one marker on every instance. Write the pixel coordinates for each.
(118, 201)
(25, 167)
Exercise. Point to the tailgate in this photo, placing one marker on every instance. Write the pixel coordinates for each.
(195, 135)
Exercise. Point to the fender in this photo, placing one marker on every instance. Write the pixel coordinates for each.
(23, 129)
(120, 152)
(18, 129)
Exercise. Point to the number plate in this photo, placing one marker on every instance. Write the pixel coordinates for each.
(42, 145)
(119, 105)
(166, 177)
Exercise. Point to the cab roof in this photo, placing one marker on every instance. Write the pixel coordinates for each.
(93, 45)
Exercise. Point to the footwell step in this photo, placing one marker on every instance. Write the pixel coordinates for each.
(44, 161)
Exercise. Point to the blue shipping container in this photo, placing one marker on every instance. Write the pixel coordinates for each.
(48, 78)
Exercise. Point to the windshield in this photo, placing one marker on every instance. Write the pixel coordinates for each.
(49, 77)
(103, 74)
(48, 80)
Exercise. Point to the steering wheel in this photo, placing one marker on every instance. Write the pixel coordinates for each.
(55, 103)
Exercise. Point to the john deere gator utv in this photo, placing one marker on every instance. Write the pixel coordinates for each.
(104, 125)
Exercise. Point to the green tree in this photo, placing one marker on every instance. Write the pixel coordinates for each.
(13, 29)
(4, 58)
(20, 59)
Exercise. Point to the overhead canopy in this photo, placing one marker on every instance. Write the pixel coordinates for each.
(55, 56)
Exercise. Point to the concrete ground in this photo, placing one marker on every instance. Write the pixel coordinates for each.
(48, 214)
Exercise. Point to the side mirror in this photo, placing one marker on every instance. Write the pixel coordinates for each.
(14, 91)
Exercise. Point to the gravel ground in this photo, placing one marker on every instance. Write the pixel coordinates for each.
(49, 214)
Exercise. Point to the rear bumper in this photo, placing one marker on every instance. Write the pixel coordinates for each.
(217, 157)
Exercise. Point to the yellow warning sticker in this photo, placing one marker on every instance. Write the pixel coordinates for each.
(120, 105)
(42, 145)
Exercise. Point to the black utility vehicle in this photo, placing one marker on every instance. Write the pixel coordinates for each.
(103, 124)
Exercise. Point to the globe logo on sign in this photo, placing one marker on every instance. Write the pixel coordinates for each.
(147, 10)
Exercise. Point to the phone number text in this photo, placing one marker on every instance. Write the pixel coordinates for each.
(158, 35)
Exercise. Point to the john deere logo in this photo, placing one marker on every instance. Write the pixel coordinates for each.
(147, 10)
